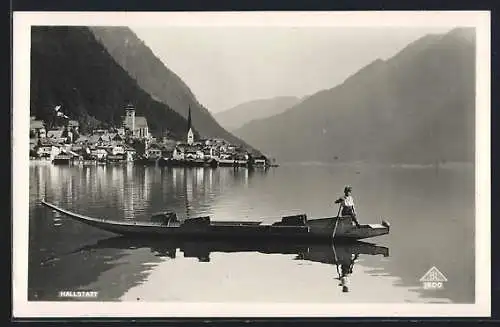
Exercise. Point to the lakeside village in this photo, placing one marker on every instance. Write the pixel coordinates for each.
(132, 142)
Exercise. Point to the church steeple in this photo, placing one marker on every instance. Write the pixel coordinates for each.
(190, 134)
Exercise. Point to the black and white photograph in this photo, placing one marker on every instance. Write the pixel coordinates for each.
(309, 164)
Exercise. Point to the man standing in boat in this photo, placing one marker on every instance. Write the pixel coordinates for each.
(347, 205)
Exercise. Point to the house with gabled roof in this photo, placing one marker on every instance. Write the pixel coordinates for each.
(153, 151)
(47, 147)
(116, 137)
(56, 135)
(95, 139)
(130, 153)
(178, 153)
(83, 139)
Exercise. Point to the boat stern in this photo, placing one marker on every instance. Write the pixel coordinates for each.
(372, 230)
(386, 224)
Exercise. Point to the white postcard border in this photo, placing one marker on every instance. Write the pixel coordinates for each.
(22, 22)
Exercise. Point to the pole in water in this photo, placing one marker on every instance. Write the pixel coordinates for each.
(336, 222)
(335, 228)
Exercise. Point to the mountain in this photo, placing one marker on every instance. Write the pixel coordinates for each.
(416, 107)
(236, 117)
(157, 80)
(69, 67)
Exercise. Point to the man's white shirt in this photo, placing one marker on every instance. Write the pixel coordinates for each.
(348, 201)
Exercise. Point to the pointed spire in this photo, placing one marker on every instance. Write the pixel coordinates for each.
(189, 119)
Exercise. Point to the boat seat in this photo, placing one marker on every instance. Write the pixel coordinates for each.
(165, 218)
(197, 221)
(174, 224)
(295, 220)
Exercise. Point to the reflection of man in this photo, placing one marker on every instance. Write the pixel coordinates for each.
(345, 272)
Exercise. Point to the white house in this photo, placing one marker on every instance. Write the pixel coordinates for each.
(226, 156)
(118, 149)
(99, 153)
(153, 153)
(191, 155)
(48, 151)
(178, 154)
(208, 153)
(129, 153)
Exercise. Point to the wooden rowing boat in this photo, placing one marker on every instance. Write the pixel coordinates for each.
(166, 224)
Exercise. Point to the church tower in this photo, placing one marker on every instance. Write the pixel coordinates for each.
(190, 134)
(130, 117)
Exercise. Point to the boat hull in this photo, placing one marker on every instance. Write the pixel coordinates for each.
(339, 228)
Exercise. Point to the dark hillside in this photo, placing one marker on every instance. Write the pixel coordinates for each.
(69, 67)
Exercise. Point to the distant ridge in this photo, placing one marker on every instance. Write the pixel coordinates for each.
(416, 107)
(243, 113)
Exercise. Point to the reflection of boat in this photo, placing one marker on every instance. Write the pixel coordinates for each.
(292, 227)
(338, 253)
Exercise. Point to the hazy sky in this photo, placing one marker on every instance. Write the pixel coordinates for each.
(226, 66)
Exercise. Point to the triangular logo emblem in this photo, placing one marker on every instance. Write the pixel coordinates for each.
(433, 275)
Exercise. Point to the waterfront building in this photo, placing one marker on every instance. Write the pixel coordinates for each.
(178, 153)
(99, 153)
(130, 153)
(45, 151)
(117, 150)
(153, 152)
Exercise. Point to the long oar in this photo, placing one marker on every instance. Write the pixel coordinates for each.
(336, 223)
(336, 259)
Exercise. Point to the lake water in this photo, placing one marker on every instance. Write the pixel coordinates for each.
(431, 211)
